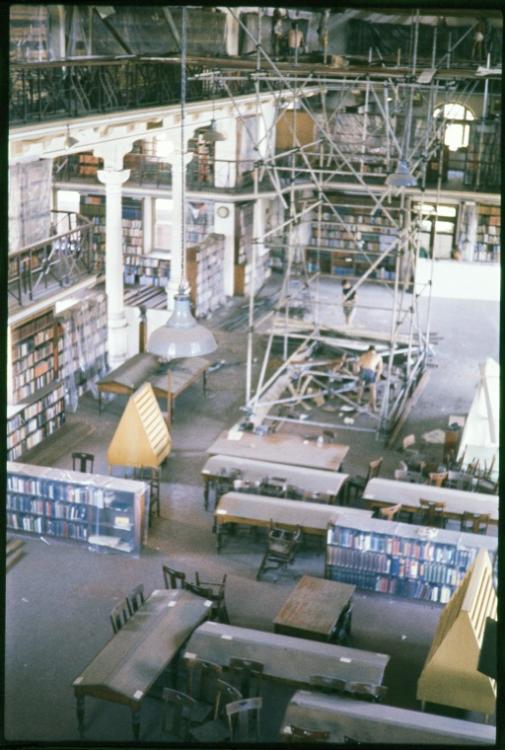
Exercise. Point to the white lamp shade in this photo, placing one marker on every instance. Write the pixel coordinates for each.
(181, 336)
(212, 134)
(402, 176)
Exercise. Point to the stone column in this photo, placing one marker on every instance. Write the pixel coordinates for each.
(113, 177)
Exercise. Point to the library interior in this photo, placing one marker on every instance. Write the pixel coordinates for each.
(252, 375)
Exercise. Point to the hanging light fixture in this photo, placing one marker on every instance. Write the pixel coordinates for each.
(212, 134)
(69, 140)
(401, 177)
(182, 336)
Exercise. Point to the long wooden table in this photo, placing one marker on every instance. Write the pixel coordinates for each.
(127, 666)
(313, 481)
(383, 492)
(285, 657)
(168, 380)
(313, 608)
(280, 448)
(379, 724)
(258, 510)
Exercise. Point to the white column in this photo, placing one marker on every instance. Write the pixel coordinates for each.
(147, 223)
(224, 223)
(113, 177)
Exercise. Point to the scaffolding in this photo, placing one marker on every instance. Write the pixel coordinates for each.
(315, 180)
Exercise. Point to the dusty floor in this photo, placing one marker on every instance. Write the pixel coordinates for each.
(59, 594)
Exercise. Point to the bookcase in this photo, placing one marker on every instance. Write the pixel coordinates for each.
(335, 249)
(35, 419)
(450, 675)
(36, 346)
(402, 559)
(133, 235)
(146, 270)
(205, 272)
(88, 164)
(488, 234)
(108, 513)
(93, 208)
(199, 221)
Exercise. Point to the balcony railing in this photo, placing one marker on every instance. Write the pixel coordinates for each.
(59, 261)
(75, 88)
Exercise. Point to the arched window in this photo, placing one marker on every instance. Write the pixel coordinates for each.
(457, 132)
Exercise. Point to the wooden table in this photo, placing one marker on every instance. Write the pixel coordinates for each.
(284, 657)
(383, 492)
(379, 724)
(280, 448)
(313, 608)
(258, 510)
(127, 666)
(168, 380)
(313, 481)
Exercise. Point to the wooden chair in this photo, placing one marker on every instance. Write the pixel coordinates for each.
(201, 685)
(216, 595)
(300, 734)
(217, 729)
(366, 691)
(244, 719)
(83, 462)
(437, 478)
(390, 512)
(246, 673)
(177, 713)
(475, 523)
(356, 484)
(119, 615)
(135, 599)
(174, 579)
(151, 475)
(432, 512)
(281, 550)
(328, 684)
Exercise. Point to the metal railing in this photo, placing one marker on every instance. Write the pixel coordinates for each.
(75, 88)
(58, 261)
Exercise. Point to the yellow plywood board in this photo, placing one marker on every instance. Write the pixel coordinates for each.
(450, 675)
(142, 437)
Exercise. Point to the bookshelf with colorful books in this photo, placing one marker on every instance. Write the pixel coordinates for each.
(107, 513)
(93, 208)
(417, 562)
(488, 233)
(36, 346)
(33, 420)
(205, 273)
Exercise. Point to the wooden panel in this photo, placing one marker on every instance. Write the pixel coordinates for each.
(303, 125)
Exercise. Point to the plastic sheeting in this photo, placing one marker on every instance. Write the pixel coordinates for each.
(481, 434)
(29, 203)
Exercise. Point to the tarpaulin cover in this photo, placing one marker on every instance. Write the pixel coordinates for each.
(29, 203)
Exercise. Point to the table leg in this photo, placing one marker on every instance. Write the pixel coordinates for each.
(205, 383)
(218, 537)
(136, 722)
(80, 714)
(206, 493)
(99, 402)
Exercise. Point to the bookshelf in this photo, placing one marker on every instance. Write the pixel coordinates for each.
(199, 221)
(205, 272)
(146, 270)
(108, 513)
(93, 208)
(401, 559)
(450, 676)
(88, 164)
(133, 235)
(335, 249)
(35, 419)
(244, 251)
(488, 234)
(36, 346)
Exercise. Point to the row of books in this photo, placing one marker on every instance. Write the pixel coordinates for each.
(40, 525)
(412, 589)
(31, 359)
(26, 330)
(36, 507)
(33, 386)
(32, 373)
(31, 344)
(35, 423)
(62, 491)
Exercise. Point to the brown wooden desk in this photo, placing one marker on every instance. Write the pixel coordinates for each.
(128, 665)
(281, 448)
(168, 381)
(313, 608)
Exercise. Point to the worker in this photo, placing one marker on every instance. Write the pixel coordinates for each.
(370, 369)
(295, 40)
(277, 34)
(349, 300)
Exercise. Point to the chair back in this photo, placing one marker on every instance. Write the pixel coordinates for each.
(174, 579)
(437, 478)
(244, 719)
(177, 709)
(225, 694)
(366, 691)
(390, 511)
(475, 523)
(135, 599)
(202, 679)
(300, 734)
(327, 684)
(119, 615)
(374, 468)
(433, 512)
(83, 462)
(408, 441)
(247, 673)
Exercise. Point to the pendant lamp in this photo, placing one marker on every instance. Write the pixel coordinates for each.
(182, 336)
(69, 140)
(402, 176)
(212, 134)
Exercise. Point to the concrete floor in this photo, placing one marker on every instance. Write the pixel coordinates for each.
(59, 594)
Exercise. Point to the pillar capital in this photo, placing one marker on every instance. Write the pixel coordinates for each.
(113, 153)
(113, 177)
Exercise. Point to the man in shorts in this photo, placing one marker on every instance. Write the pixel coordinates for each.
(370, 369)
